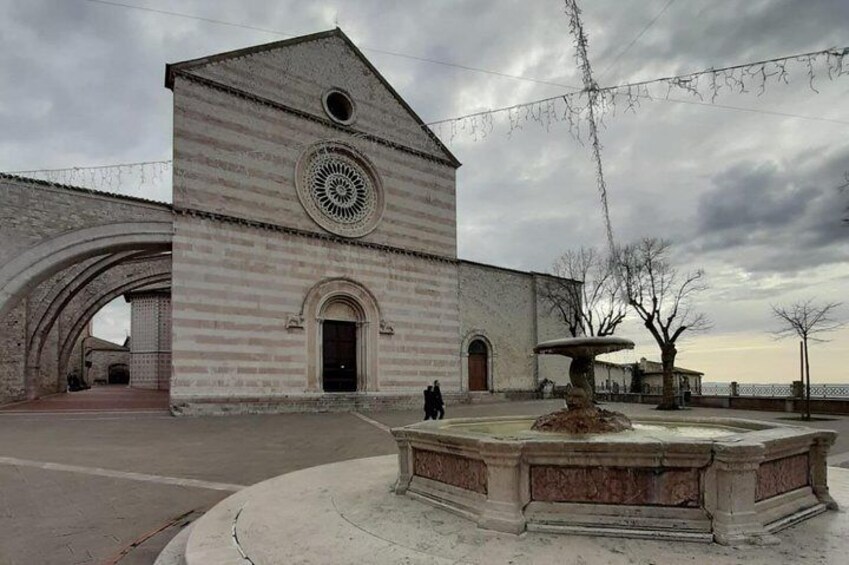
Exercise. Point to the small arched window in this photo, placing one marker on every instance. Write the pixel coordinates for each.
(477, 347)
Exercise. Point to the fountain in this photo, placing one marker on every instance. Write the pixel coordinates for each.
(589, 471)
(581, 415)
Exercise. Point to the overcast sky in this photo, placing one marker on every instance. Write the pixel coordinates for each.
(751, 197)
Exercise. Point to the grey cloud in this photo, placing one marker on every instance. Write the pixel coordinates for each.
(81, 83)
(777, 218)
(752, 197)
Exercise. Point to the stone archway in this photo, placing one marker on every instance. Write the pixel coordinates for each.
(54, 239)
(99, 276)
(35, 264)
(335, 300)
(94, 304)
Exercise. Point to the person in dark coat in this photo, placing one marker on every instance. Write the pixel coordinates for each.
(438, 404)
(428, 404)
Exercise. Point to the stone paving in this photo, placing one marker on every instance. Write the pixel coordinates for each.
(100, 398)
(118, 492)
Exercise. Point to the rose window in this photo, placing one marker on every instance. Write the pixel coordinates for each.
(339, 190)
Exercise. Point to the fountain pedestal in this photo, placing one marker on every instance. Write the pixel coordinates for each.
(581, 415)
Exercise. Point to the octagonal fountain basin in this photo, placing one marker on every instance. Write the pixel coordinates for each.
(710, 479)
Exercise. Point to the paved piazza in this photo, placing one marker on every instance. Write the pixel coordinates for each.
(82, 483)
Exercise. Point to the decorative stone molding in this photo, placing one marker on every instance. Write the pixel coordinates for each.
(318, 299)
(314, 235)
(491, 354)
(386, 328)
(295, 322)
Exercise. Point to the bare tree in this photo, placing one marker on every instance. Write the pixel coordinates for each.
(594, 308)
(806, 320)
(662, 299)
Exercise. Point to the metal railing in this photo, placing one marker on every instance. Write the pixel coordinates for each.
(775, 390)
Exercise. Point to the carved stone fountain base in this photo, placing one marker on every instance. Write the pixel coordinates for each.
(581, 416)
(590, 420)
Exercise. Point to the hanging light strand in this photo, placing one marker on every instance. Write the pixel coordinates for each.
(569, 110)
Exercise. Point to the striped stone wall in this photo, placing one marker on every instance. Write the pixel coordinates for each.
(238, 292)
(298, 74)
(238, 158)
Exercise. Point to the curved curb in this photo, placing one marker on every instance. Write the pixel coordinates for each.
(311, 516)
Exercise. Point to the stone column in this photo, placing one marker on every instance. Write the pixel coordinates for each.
(735, 482)
(506, 491)
(819, 468)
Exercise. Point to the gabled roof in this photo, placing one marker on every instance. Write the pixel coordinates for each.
(172, 69)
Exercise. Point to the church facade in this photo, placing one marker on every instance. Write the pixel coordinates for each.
(314, 257)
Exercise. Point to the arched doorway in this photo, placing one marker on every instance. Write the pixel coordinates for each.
(478, 366)
(341, 320)
(118, 374)
(346, 301)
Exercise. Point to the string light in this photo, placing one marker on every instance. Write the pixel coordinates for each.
(576, 27)
(569, 109)
(131, 179)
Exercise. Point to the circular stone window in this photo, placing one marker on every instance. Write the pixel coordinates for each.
(339, 189)
(339, 106)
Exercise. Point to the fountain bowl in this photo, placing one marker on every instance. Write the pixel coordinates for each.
(698, 479)
(589, 346)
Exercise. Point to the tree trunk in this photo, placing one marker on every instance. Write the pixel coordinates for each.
(667, 357)
(807, 381)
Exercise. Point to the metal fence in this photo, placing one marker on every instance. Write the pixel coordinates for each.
(775, 390)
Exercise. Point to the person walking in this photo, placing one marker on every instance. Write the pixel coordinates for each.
(438, 404)
(428, 403)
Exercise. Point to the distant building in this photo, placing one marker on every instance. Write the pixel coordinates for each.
(648, 378)
(645, 376)
(613, 377)
(105, 362)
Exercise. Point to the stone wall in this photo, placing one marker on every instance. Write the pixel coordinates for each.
(101, 360)
(50, 378)
(497, 304)
(13, 355)
(34, 211)
(549, 326)
(240, 328)
(502, 306)
(13, 336)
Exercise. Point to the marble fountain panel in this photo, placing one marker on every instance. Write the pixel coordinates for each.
(724, 480)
